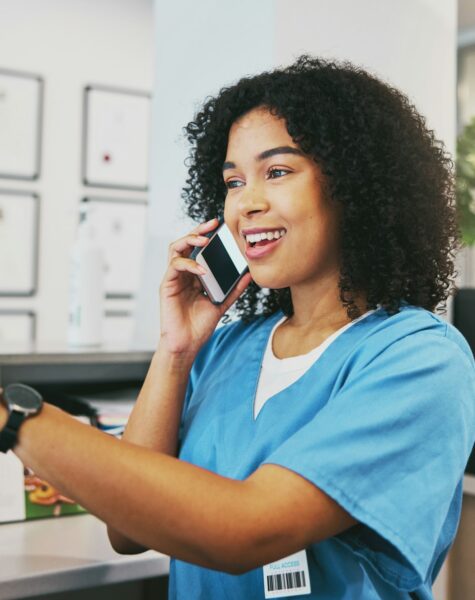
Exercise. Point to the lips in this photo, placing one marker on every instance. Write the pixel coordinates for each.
(261, 249)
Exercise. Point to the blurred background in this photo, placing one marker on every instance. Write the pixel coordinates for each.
(93, 98)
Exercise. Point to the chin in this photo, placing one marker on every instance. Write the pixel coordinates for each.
(267, 281)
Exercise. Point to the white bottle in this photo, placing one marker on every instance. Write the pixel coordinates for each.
(86, 304)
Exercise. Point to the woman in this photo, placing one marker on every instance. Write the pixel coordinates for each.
(321, 438)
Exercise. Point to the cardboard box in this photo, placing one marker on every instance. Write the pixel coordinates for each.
(24, 496)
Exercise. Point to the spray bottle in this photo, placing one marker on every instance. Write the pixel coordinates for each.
(86, 304)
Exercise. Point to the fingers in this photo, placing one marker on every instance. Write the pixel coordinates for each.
(186, 244)
(181, 264)
(206, 227)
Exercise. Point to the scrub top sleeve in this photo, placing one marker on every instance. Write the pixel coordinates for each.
(391, 447)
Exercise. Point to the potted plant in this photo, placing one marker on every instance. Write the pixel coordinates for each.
(465, 183)
(464, 314)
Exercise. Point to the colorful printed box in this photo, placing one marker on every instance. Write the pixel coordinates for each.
(25, 496)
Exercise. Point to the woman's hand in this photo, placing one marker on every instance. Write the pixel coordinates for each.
(187, 317)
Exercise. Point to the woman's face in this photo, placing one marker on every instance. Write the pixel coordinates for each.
(273, 188)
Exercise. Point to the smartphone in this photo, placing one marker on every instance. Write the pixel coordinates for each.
(223, 261)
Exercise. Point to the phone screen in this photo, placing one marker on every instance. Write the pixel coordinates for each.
(224, 259)
(224, 262)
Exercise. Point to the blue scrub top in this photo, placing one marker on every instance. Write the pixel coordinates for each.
(383, 422)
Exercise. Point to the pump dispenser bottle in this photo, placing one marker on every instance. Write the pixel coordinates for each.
(86, 305)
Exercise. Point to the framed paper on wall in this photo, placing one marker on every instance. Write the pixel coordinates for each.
(119, 226)
(19, 223)
(116, 130)
(17, 326)
(21, 107)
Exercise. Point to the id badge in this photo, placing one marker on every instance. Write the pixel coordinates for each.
(287, 576)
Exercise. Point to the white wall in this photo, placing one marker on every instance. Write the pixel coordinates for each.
(202, 46)
(70, 44)
(410, 44)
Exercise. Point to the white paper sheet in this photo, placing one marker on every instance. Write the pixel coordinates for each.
(17, 260)
(19, 125)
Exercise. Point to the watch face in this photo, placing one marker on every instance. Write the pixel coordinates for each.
(22, 398)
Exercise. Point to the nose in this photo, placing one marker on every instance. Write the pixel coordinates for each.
(252, 200)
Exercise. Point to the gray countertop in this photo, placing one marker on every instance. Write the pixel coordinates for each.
(469, 485)
(56, 363)
(68, 553)
(55, 353)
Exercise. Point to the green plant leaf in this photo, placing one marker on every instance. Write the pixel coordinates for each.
(465, 183)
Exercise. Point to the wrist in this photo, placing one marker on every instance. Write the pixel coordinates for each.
(175, 361)
(19, 403)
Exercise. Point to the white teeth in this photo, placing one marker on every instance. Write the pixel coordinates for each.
(266, 235)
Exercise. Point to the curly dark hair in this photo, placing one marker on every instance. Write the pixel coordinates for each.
(382, 165)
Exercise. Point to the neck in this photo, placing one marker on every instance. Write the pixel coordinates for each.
(319, 306)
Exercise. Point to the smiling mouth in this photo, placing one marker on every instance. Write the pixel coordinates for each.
(266, 237)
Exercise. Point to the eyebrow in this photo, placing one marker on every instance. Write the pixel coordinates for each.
(267, 153)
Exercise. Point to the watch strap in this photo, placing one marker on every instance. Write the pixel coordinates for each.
(9, 434)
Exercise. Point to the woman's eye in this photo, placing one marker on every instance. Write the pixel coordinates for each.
(272, 173)
(230, 184)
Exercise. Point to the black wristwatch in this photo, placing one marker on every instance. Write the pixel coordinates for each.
(22, 402)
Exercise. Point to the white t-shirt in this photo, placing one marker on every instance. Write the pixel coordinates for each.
(278, 373)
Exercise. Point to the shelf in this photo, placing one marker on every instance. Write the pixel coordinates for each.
(53, 364)
(57, 353)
